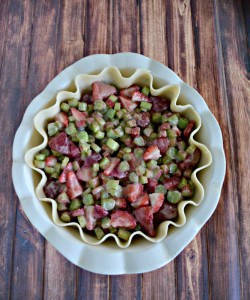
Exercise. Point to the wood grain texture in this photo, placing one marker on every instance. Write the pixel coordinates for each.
(207, 44)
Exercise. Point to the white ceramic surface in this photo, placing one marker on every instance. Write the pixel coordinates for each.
(108, 258)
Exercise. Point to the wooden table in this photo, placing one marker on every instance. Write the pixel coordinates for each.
(206, 44)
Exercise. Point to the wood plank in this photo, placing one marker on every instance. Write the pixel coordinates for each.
(125, 31)
(13, 78)
(97, 39)
(159, 284)
(4, 12)
(125, 287)
(68, 49)
(235, 59)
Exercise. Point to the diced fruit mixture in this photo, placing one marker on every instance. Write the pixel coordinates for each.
(118, 161)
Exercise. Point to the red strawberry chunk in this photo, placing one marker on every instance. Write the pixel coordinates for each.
(90, 160)
(135, 131)
(133, 191)
(144, 217)
(50, 161)
(118, 174)
(114, 161)
(84, 174)
(191, 160)
(171, 183)
(138, 96)
(127, 103)
(167, 212)
(156, 201)
(162, 143)
(51, 189)
(102, 90)
(97, 192)
(80, 124)
(90, 217)
(122, 219)
(151, 186)
(160, 103)
(189, 129)
(68, 168)
(152, 152)
(62, 118)
(78, 115)
(120, 202)
(78, 212)
(142, 119)
(143, 200)
(74, 187)
(87, 98)
(100, 212)
(61, 143)
(110, 103)
(128, 92)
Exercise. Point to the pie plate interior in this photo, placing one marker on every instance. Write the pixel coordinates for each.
(141, 255)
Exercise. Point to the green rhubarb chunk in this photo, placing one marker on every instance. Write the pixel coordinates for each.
(88, 199)
(190, 149)
(113, 145)
(64, 107)
(173, 120)
(104, 163)
(99, 135)
(99, 105)
(64, 162)
(113, 98)
(75, 204)
(133, 177)
(113, 187)
(172, 152)
(82, 221)
(99, 233)
(161, 189)
(82, 136)
(108, 203)
(145, 91)
(49, 170)
(124, 166)
(145, 106)
(82, 106)
(52, 129)
(39, 164)
(174, 196)
(173, 168)
(73, 102)
(110, 113)
(96, 148)
(65, 217)
(71, 129)
(182, 183)
(123, 234)
(40, 156)
(62, 206)
(105, 223)
(182, 123)
(143, 179)
(156, 117)
(139, 141)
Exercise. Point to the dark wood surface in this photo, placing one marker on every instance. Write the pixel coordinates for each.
(206, 42)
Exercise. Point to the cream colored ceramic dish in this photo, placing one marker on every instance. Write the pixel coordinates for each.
(66, 239)
(113, 76)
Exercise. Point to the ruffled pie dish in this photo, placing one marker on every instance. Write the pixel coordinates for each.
(140, 77)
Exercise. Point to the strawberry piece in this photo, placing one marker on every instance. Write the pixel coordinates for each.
(61, 143)
(122, 219)
(110, 103)
(167, 212)
(171, 183)
(78, 115)
(138, 96)
(128, 92)
(152, 152)
(135, 131)
(51, 189)
(102, 90)
(114, 161)
(84, 174)
(118, 174)
(162, 143)
(100, 212)
(62, 118)
(143, 200)
(90, 217)
(142, 119)
(127, 103)
(68, 168)
(90, 160)
(164, 126)
(133, 191)
(120, 202)
(50, 161)
(156, 201)
(80, 124)
(152, 184)
(191, 160)
(160, 103)
(97, 192)
(78, 212)
(74, 187)
(144, 217)
(189, 128)
(87, 98)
